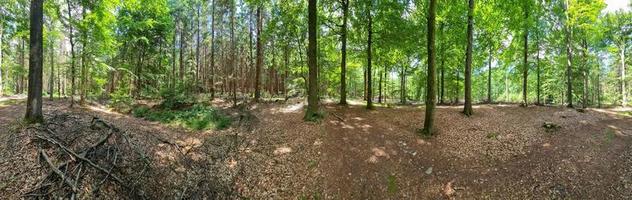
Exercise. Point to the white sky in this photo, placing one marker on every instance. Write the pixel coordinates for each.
(614, 5)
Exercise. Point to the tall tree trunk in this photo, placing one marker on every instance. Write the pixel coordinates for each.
(182, 48)
(1, 77)
(174, 56)
(233, 50)
(213, 50)
(585, 74)
(34, 100)
(624, 96)
(379, 99)
(402, 84)
(312, 91)
(343, 62)
(369, 98)
(259, 56)
(51, 81)
(467, 110)
(489, 75)
(538, 74)
(525, 67)
(197, 50)
(569, 62)
(72, 55)
(431, 96)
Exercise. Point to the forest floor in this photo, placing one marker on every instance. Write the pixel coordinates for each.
(501, 152)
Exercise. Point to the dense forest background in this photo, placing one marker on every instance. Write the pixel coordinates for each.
(243, 49)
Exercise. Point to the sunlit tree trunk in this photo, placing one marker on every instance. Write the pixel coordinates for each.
(233, 50)
(569, 61)
(1, 75)
(72, 55)
(489, 75)
(212, 75)
(34, 100)
(431, 95)
(624, 96)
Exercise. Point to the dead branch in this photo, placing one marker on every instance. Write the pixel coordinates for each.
(339, 118)
(59, 173)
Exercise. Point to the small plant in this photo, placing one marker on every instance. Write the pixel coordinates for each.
(391, 184)
(196, 117)
(492, 135)
(551, 127)
(140, 111)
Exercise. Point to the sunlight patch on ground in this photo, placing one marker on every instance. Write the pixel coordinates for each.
(292, 108)
(282, 150)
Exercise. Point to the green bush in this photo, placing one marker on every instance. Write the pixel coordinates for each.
(176, 98)
(196, 117)
(120, 100)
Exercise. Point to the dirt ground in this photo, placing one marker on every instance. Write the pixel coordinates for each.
(501, 152)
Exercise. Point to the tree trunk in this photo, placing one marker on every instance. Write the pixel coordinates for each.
(369, 98)
(259, 55)
(343, 62)
(585, 74)
(182, 49)
(489, 76)
(379, 99)
(431, 96)
(538, 71)
(233, 50)
(213, 50)
(624, 96)
(467, 110)
(525, 69)
(34, 100)
(51, 84)
(402, 84)
(197, 51)
(72, 55)
(312, 91)
(569, 63)
(1, 77)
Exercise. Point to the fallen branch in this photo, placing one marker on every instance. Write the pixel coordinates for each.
(82, 158)
(59, 173)
(339, 118)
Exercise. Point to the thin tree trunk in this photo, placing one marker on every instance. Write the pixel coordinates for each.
(624, 96)
(51, 84)
(1, 77)
(34, 100)
(569, 62)
(213, 50)
(431, 96)
(72, 55)
(489, 76)
(525, 69)
(233, 51)
(585, 75)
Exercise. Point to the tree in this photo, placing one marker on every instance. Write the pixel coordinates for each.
(525, 66)
(467, 110)
(312, 90)
(431, 94)
(569, 59)
(259, 55)
(343, 52)
(369, 93)
(36, 46)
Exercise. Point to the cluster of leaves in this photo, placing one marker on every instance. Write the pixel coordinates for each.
(196, 117)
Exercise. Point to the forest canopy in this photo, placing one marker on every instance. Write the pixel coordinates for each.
(532, 52)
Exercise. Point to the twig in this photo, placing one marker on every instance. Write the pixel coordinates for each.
(339, 118)
(61, 175)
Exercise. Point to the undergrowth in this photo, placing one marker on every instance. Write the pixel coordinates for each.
(196, 117)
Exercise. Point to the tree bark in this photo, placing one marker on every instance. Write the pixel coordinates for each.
(233, 50)
(624, 96)
(34, 99)
(213, 50)
(431, 96)
(343, 62)
(569, 62)
(312, 91)
(72, 55)
(51, 81)
(467, 110)
(259, 56)
(489, 75)
(369, 98)
(525, 69)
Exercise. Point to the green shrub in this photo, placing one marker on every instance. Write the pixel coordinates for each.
(196, 117)
(176, 98)
(120, 100)
(140, 111)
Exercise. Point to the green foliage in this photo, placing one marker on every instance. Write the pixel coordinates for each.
(176, 97)
(196, 117)
(120, 100)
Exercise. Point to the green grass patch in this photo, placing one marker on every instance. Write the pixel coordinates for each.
(196, 117)
(609, 136)
(391, 184)
(492, 135)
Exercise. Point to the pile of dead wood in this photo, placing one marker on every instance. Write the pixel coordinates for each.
(95, 160)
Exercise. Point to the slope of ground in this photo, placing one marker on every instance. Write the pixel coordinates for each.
(502, 152)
